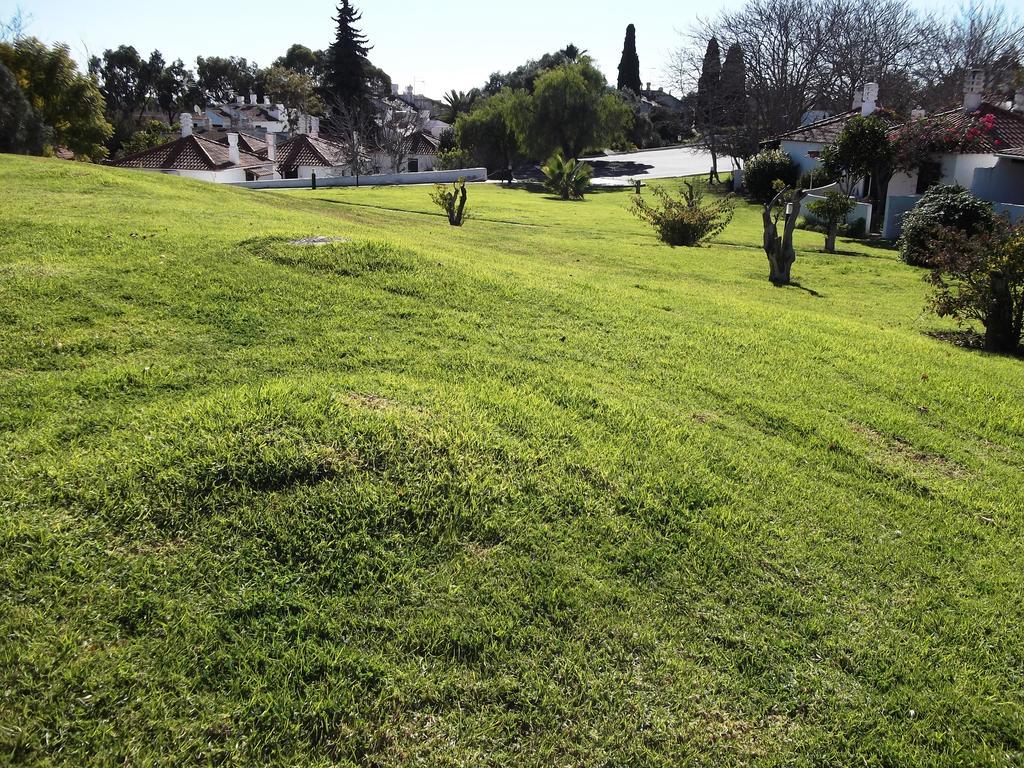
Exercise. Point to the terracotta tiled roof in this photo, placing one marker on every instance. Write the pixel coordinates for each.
(820, 132)
(191, 153)
(1007, 130)
(247, 142)
(421, 143)
(304, 150)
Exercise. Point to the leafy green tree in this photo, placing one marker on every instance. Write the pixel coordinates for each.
(709, 102)
(221, 78)
(68, 103)
(832, 212)
(524, 77)
(128, 83)
(569, 179)
(572, 109)
(863, 150)
(629, 66)
(346, 79)
(21, 131)
(492, 131)
(177, 90)
(299, 58)
(153, 135)
(286, 86)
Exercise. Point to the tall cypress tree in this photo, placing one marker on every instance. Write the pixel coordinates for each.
(734, 88)
(346, 78)
(709, 101)
(629, 66)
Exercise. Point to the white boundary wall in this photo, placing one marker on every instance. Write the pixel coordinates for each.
(861, 210)
(384, 180)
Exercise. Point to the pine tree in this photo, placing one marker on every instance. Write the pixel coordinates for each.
(709, 102)
(629, 67)
(346, 79)
(734, 88)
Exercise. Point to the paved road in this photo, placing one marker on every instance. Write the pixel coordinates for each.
(654, 164)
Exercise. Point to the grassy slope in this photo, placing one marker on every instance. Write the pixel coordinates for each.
(539, 491)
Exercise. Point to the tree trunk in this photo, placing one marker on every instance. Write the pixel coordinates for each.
(1000, 334)
(779, 250)
(830, 238)
(713, 148)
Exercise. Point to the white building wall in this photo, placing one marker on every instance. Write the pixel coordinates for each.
(800, 152)
(1003, 183)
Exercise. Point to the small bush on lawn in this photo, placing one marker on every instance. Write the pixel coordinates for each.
(832, 212)
(764, 169)
(452, 201)
(942, 207)
(569, 179)
(981, 277)
(684, 219)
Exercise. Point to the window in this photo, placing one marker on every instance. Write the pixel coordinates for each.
(928, 176)
(414, 165)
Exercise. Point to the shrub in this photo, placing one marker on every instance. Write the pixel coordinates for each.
(764, 169)
(451, 201)
(815, 179)
(947, 206)
(981, 277)
(684, 219)
(454, 160)
(569, 179)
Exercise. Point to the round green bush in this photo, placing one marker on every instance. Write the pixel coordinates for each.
(941, 207)
(765, 168)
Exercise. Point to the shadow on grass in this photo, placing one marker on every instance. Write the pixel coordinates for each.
(803, 288)
(972, 341)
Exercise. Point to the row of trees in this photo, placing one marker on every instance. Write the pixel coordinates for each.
(801, 55)
(567, 107)
(45, 102)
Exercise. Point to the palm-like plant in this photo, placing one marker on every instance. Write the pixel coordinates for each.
(569, 179)
(459, 103)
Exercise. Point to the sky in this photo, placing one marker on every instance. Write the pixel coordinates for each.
(435, 46)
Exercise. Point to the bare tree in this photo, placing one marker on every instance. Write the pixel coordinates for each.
(353, 125)
(395, 131)
(816, 54)
(981, 36)
(14, 28)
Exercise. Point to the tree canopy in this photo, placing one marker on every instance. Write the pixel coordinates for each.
(629, 66)
(67, 102)
(346, 78)
(573, 110)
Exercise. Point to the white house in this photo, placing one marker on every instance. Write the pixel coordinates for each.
(804, 144)
(266, 117)
(992, 167)
(305, 154)
(198, 157)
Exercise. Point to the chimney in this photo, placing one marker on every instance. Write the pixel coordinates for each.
(240, 99)
(858, 99)
(314, 127)
(870, 99)
(272, 147)
(253, 99)
(301, 125)
(1018, 102)
(186, 125)
(974, 90)
(394, 89)
(918, 114)
(266, 101)
(233, 156)
(648, 87)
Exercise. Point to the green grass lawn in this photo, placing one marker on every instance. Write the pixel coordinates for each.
(537, 492)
